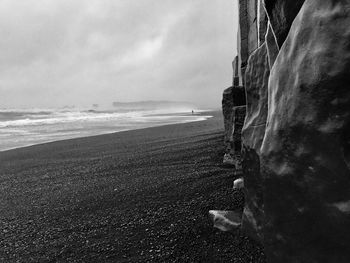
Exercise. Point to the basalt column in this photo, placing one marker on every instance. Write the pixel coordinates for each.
(256, 85)
(296, 134)
(305, 156)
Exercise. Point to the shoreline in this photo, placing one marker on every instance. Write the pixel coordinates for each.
(200, 113)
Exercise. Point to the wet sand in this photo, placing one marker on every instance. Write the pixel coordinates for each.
(135, 196)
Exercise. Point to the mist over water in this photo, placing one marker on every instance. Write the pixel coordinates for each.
(19, 128)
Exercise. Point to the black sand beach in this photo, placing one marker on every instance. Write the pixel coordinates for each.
(136, 196)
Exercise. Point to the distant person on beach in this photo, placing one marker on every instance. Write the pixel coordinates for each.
(192, 112)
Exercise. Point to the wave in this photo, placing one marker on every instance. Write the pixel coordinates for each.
(18, 118)
(67, 125)
(55, 118)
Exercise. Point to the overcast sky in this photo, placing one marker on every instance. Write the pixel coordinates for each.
(79, 52)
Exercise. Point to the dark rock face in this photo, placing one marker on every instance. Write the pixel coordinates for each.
(305, 156)
(247, 42)
(296, 134)
(235, 81)
(257, 76)
(262, 22)
(227, 111)
(239, 97)
(232, 97)
(248, 35)
(271, 45)
(256, 82)
(281, 15)
(239, 114)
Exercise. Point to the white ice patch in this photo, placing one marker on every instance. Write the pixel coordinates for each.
(226, 220)
(343, 206)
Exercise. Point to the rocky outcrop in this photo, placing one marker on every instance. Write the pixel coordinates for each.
(235, 69)
(296, 133)
(227, 111)
(247, 34)
(235, 95)
(239, 113)
(232, 98)
(305, 157)
(256, 84)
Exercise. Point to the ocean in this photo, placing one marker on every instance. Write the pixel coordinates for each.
(19, 128)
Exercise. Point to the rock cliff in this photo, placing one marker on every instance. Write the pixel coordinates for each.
(233, 101)
(256, 85)
(305, 158)
(293, 63)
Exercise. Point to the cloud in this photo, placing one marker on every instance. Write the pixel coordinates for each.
(144, 51)
(59, 52)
